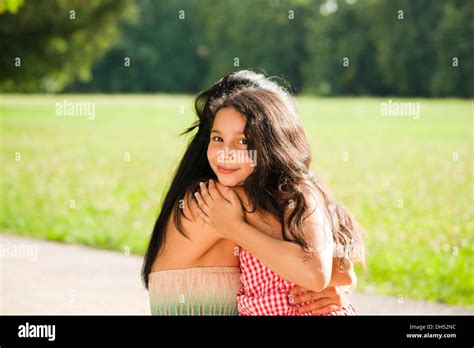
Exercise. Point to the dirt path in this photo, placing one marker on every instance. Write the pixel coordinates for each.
(43, 277)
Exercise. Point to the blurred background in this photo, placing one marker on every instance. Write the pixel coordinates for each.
(94, 94)
(401, 47)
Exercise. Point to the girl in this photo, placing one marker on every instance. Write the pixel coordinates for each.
(190, 266)
(306, 226)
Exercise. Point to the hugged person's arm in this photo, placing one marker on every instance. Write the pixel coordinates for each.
(285, 258)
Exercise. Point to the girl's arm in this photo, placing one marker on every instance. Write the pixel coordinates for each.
(287, 259)
(331, 299)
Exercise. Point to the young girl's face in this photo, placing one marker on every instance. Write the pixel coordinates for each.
(227, 151)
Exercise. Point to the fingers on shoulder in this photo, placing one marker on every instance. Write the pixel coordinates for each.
(191, 208)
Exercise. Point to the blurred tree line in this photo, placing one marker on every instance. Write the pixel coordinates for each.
(47, 44)
(325, 47)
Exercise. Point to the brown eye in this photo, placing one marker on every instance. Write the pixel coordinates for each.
(219, 139)
(243, 141)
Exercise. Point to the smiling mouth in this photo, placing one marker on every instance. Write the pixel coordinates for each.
(226, 170)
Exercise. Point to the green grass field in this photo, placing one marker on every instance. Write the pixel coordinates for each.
(409, 181)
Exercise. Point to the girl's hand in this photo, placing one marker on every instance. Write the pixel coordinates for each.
(225, 214)
(329, 300)
(332, 298)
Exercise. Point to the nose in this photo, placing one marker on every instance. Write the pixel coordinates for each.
(229, 154)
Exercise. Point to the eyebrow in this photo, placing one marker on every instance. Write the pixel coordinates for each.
(219, 132)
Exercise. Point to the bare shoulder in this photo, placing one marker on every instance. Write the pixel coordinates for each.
(196, 227)
(313, 199)
(315, 202)
(186, 248)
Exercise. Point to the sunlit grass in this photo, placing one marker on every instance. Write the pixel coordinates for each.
(398, 175)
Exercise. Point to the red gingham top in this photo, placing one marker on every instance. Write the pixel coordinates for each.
(265, 293)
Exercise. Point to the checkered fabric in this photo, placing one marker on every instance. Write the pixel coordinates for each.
(266, 293)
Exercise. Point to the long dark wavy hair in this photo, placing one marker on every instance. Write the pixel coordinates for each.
(282, 174)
